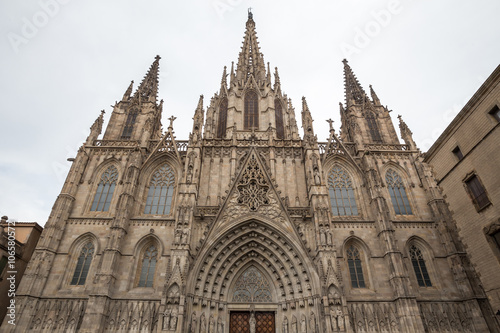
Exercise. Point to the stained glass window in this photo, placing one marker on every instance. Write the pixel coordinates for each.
(105, 189)
(129, 125)
(148, 267)
(373, 127)
(251, 110)
(341, 192)
(418, 263)
(161, 189)
(280, 132)
(398, 193)
(251, 286)
(83, 265)
(221, 127)
(355, 269)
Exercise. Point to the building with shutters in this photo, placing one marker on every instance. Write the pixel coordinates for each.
(250, 226)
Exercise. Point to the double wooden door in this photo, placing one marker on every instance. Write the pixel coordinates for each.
(240, 322)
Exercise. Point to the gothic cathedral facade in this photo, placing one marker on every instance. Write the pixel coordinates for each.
(249, 226)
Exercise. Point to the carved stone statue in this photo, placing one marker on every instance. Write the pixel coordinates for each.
(285, 325)
(203, 323)
(220, 325)
(211, 324)
(328, 236)
(322, 236)
(340, 319)
(317, 179)
(252, 323)
(185, 235)
(178, 235)
(166, 319)
(333, 320)
(312, 322)
(193, 323)
(303, 325)
(173, 319)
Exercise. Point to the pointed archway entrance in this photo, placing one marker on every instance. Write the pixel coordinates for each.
(253, 304)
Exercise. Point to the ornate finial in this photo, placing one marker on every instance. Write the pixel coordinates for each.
(330, 121)
(250, 15)
(157, 57)
(172, 118)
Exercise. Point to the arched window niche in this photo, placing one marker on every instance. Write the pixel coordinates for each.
(105, 190)
(222, 123)
(397, 192)
(251, 114)
(341, 191)
(161, 191)
(252, 286)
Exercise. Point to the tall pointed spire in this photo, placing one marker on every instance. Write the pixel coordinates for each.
(306, 119)
(375, 98)
(277, 82)
(148, 89)
(198, 121)
(223, 81)
(128, 92)
(354, 93)
(406, 134)
(250, 60)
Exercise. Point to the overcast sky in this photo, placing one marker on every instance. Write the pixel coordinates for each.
(64, 61)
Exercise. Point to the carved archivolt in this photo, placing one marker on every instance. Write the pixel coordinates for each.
(257, 244)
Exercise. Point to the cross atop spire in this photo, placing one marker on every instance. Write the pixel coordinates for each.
(250, 14)
(148, 89)
(353, 90)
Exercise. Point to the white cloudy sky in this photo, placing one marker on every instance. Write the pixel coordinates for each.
(64, 61)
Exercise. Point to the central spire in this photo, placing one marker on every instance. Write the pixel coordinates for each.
(250, 60)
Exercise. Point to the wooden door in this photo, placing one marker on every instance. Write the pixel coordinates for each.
(239, 322)
(265, 322)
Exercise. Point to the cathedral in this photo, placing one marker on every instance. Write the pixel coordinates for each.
(249, 225)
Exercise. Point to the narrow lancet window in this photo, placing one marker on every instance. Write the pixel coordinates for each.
(418, 263)
(221, 126)
(148, 267)
(398, 193)
(161, 190)
(341, 192)
(129, 125)
(280, 132)
(373, 127)
(251, 110)
(355, 267)
(105, 189)
(83, 265)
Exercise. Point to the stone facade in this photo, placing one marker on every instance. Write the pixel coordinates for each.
(467, 149)
(249, 226)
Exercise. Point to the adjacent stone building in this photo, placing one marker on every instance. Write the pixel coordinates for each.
(249, 226)
(17, 244)
(466, 161)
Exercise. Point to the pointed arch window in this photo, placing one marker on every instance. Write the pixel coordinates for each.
(398, 193)
(148, 267)
(83, 265)
(129, 125)
(373, 127)
(105, 189)
(221, 126)
(161, 189)
(252, 286)
(280, 131)
(355, 267)
(418, 263)
(251, 110)
(342, 198)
